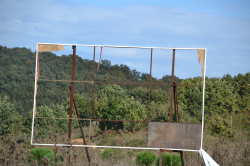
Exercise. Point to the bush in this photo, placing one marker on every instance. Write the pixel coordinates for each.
(220, 126)
(176, 159)
(107, 153)
(145, 158)
(40, 153)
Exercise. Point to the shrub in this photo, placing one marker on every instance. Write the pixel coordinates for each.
(220, 126)
(176, 159)
(145, 158)
(40, 153)
(107, 153)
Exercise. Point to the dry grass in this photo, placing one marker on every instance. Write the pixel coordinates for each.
(224, 151)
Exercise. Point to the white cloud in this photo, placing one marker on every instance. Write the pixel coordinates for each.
(24, 23)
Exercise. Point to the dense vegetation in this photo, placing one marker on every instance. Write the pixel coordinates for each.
(17, 68)
(227, 99)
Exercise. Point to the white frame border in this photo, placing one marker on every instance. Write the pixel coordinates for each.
(34, 105)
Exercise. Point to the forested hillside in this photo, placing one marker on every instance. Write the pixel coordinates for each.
(17, 68)
(227, 108)
(225, 97)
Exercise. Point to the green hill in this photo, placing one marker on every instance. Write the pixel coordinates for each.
(17, 68)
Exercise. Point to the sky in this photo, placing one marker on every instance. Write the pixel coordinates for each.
(223, 27)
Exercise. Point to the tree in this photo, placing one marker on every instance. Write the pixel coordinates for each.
(113, 104)
(46, 127)
(106, 105)
(220, 98)
(11, 121)
(141, 94)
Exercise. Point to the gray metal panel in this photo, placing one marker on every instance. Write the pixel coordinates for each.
(174, 135)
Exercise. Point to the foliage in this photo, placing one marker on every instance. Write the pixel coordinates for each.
(112, 103)
(83, 106)
(40, 153)
(220, 126)
(45, 127)
(220, 98)
(170, 159)
(159, 112)
(11, 121)
(145, 158)
(141, 94)
(107, 153)
(17, 74)
(225, 97)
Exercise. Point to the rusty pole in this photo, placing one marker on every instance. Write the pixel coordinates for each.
(72, 94)
(91, 108)
(150, 83)
(149, 89)
(172, 84)
(174, 101)
(182, 160)
(161, 158)
(177, 104)
(177, 117)
(80, 124)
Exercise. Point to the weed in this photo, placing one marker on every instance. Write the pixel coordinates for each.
(40, 153)
(108, 153)
(145, 158)
(170, 159)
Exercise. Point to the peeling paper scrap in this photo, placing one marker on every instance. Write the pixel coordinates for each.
(49, 47)
(201, 58)
(207, 159)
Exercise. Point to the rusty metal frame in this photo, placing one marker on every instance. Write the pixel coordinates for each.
(173, 93)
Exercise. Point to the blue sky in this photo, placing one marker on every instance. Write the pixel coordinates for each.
(220, 26)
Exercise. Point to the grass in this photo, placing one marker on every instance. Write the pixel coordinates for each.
(225, 151)
(170, 159)
(145, 158)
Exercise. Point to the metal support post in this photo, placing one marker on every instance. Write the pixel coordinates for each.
(72, 94)
(80, 124)
(172, 84)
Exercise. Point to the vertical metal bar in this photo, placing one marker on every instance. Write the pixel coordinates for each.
(34, 104)
(161, 158)
(80, 124)
(182, 160)
(171, 92)
(177, 104)
(149, 89)
(203, 97)
(72, 94)
(150, 83)
(92, 85)
(174, 87)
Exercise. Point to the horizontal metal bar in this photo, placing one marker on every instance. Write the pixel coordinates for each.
(121, 83)
(90, 119)
(117, 147)
(110, 120)
(96, 82)
(64, 81)
(61, 118)
(189, 85)
(123, 46)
